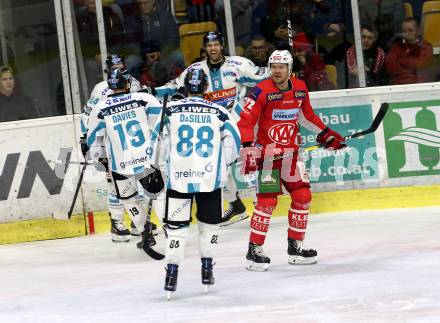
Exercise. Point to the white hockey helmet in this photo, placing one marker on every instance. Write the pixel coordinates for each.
(281, 57)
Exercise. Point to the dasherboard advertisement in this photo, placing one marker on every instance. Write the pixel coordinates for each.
(356, 162)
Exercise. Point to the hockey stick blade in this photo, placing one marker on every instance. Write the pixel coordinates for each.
(230, 222)
(374, 125)
(75, 195)
(152, 253)
(147, 248)
(376, 122)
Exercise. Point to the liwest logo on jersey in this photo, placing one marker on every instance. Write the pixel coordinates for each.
(121, 108)
(193, 109)
(289, 114)
(274, 96)
(282, 133)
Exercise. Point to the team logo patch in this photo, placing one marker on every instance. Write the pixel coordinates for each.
(282, 133)
(229, 73)
(255, 92)
(274, 96)
(289, 114)
(299, 94)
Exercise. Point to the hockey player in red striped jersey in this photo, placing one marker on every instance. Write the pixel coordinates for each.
(279, 105)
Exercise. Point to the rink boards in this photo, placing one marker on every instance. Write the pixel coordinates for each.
(398, 166)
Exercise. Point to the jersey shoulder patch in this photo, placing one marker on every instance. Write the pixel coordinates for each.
(255, 93)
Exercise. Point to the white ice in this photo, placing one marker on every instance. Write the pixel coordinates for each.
(374, 266)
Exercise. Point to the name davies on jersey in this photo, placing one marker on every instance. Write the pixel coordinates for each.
(123, 116)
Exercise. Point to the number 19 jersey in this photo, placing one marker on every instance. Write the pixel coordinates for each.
(124, 120)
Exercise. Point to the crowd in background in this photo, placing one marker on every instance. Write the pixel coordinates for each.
(147, 33)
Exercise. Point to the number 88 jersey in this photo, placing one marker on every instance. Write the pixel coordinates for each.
(201, 140)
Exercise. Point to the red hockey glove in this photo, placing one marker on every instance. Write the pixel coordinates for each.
(330, 139)
(249, 155)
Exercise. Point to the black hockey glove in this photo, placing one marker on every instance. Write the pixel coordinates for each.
(153, 182)
(84, 146)
(179, 95)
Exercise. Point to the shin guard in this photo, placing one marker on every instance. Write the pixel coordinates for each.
(298, 213)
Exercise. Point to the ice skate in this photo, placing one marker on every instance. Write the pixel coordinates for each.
(299, 254)
(118, 232)
(235, 213)
(133, 230)
(171, 279)
(207, 273)
(256, 259)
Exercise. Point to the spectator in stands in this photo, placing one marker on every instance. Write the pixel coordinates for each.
(152, 23)
(386, 15)
(201, 10)
(202, 56)
(314, 17)
(309, 66)
(410, 57)
(88, 26)
(259, 51)
(154, 72)
(374, 60)
(14, 105)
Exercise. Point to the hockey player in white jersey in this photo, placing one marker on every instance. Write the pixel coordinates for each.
(200, 140)
(101, 91)
(228, 78)
(121, 123)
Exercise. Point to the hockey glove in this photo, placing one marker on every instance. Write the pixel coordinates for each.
(179, 95)
(153, 182)
(84, 146)
(330, 139)
(250, 156)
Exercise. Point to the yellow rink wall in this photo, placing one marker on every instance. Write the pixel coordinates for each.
(323, 202)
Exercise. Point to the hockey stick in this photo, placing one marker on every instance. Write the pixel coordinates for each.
(60, 215)
(49, 161)
(145, 246)
(289, 23)
(374, 125)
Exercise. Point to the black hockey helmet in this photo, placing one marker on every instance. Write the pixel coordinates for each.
(118, 78)
(114, 59)
(196, 81)
(213, 36)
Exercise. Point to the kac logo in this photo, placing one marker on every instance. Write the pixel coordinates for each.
(282, 133)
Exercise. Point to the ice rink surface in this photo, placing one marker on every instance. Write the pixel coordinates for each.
(374, 266)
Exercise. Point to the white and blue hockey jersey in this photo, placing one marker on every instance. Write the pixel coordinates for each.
(100, 92)
(226, 86)
(123, 122)
(200, 141)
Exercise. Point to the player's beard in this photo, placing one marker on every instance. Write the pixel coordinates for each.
(215, 58)
(281, 82)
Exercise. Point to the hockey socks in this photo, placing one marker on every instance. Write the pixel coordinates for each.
(261, 219)
(298, 213)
